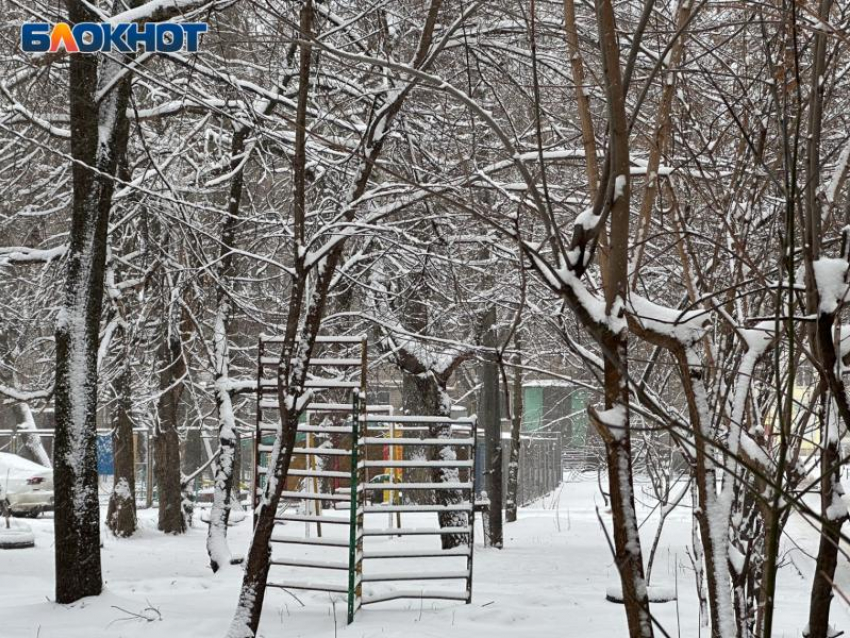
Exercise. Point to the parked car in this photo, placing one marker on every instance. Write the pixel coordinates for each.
(26, 488)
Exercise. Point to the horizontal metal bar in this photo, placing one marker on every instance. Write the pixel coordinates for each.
(319, 338)
(321, 361)
(319, 406)
(407, 418)
(316, 496)
(313, 518)
(434, 553)
(324, 429)
(310, 564)
(385, 509)
(292, 584)
(438, 464)
(416, 531)
(318, 542)
(320, 474)
(414, 593)
(315, 383)
(269, 427)
(321, 451)
(371, 440)
(439, 487)
(397, 577)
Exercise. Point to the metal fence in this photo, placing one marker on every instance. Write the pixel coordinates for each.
(540, 466)
(541, 462)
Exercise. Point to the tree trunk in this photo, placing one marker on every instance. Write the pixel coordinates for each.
(658, 141)
(226, 486)
(833, 511)
(516, 427)
(490, 418)
(220, 513)
(613, 340)
(832, 519)
(121, 515)
(310, 308)
(166, 440)
(425, 395)
(99, 130)
(588, 138)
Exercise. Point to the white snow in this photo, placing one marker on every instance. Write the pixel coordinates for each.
(686, 327)
(620, 186)
(586, 219)
(549, 581)
(614, 417)
(16, 537)
(830, 273)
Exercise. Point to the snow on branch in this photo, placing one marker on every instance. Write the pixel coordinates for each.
(686, 327)
(830, 278)
(10, 255)
(21, 396)
(157, 10)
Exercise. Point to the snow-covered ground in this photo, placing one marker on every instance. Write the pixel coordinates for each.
(549, 580)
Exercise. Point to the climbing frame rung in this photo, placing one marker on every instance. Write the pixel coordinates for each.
(317, 542)
(416, 531)
(466, 423)
(309, 564)
(436, 486)
(319, 339)
(446, 442)
(411, 509)
(295, 584)
(416, 575)
(329, 362)
(419, 464)
(315, 496)
(321, 451)
(462, 551)
(312, 518)
(319, 474)
(399, 594)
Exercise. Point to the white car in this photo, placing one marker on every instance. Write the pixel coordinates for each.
(26, 488)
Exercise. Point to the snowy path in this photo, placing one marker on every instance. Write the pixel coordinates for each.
(550, 580)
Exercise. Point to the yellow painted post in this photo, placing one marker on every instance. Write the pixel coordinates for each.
(317, 505)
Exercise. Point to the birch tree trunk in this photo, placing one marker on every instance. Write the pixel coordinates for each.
(217, 548)
(228, 436)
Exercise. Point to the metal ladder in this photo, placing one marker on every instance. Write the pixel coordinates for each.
(366, 428)
(326, 404)
(457, 435)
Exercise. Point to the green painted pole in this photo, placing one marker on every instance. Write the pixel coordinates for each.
(352, 538)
